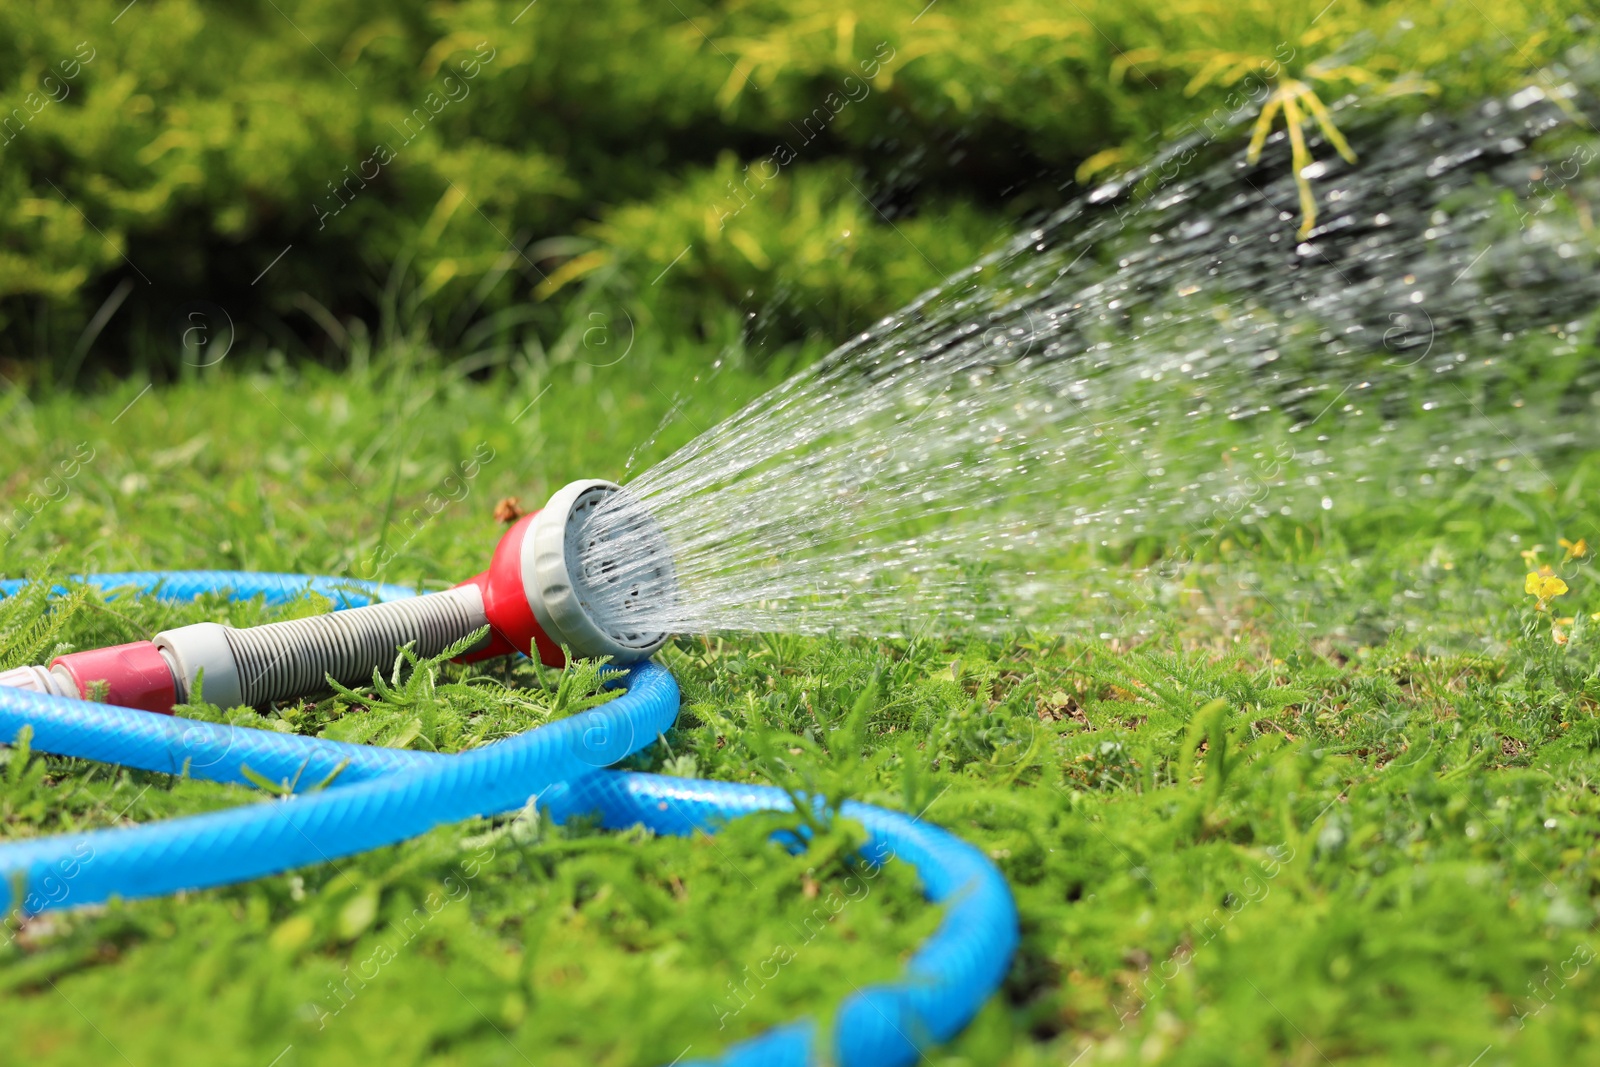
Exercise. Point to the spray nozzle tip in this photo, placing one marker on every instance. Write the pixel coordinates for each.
(594, 561)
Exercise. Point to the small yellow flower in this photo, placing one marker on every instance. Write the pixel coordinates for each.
(1559, 634)
(1531, 555)
(1575, 549)
(1543, 585)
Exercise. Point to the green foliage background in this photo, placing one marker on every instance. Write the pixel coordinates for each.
(488, 170)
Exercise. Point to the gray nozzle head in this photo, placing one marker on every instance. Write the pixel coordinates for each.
(569, 571)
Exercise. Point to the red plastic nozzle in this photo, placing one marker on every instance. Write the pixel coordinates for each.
(136, 675)
(512, 626)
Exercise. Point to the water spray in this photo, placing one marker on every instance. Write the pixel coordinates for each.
(537, 597)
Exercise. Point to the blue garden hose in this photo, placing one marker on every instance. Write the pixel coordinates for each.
(381, 796)
(273, 587)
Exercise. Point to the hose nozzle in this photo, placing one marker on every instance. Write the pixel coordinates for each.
(559, 580)
(571, 574)
(584, 577)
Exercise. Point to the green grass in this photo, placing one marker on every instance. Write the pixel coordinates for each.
(1253, 850)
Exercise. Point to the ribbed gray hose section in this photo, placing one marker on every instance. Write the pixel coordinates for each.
(283, 660)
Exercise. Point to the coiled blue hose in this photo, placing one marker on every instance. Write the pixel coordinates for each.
(382, 796)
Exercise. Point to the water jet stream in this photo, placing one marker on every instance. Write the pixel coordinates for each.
(1072, 433)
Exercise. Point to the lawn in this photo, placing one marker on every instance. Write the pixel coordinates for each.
(1256, 849)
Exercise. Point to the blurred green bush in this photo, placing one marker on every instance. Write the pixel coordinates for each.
(482, 171)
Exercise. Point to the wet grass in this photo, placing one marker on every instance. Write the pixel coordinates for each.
(1260, 848)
